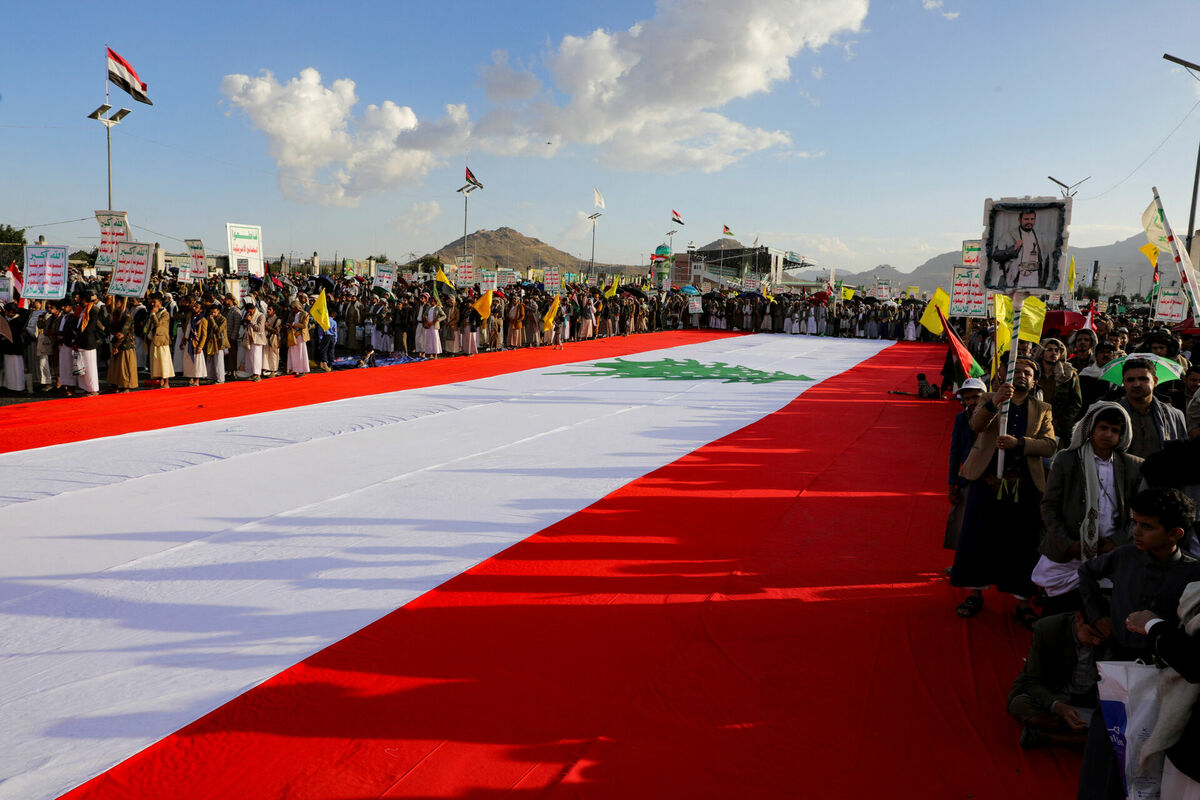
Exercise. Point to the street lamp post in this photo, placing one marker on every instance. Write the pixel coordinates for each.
(466, 192)
(108, 122)
(1069, 191)
(1189, 66)
(592, 263)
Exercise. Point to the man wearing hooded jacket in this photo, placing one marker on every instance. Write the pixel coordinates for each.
(1085, 506)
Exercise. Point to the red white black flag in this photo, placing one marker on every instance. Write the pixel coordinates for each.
(123, 75)
(675, 218)
(471, 179)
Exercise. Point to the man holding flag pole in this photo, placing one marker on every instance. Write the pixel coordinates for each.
(1002, 516)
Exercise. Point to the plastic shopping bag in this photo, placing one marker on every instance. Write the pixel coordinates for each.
(1129, 702)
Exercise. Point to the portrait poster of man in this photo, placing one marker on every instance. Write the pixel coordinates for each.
(1025, 243)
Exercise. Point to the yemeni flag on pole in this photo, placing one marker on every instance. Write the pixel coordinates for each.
(726, 230)
(18, 284)
(1154, 289)
(675, 218)
(471, 179)
(122, 73)
(965, 365)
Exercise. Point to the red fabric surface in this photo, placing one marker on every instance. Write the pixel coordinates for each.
(29, 425)
(765, 617)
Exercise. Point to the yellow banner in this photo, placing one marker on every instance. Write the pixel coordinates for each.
(1033, 314)
(1150, 252)
(930, 318)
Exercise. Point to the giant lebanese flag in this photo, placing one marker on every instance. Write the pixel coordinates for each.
(622, 569)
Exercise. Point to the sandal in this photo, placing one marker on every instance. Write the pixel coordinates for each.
(970, 607)
(1026, 616)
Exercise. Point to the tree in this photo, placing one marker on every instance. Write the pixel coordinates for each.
(380, 259)
(427, 263)
(12, 241)
(87, 256)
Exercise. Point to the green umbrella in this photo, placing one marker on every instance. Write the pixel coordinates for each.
(1165, 369)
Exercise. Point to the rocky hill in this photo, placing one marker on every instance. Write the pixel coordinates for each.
(508, 248)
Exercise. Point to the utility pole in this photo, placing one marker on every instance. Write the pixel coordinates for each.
(1189, 66)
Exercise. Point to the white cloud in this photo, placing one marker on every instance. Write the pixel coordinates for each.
(641, 105)
(417, 217)
(818, 73)
(579, 229)
(649, 107)
(324, 153)
(936, 5)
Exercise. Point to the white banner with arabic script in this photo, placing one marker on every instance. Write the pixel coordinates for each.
(114, 229)
(967, 298)
(1171, 305)
(245, 249)
(552, 280)
(45, 272)
(132, 275)
(197, 260)
(385, 276)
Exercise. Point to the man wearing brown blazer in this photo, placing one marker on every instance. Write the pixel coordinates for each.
(1002, 519)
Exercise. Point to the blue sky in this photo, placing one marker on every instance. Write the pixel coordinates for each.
(855, 134)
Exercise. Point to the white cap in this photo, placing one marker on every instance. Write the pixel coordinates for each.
(972, 383)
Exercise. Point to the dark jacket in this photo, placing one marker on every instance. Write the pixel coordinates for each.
(961, 440)
(1051, 663)
(1064, 502)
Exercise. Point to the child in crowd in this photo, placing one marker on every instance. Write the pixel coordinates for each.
(1149, 574)
(1055, 695)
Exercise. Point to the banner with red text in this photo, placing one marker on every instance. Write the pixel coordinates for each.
(45, 272)
(114, 229)
(132, 275)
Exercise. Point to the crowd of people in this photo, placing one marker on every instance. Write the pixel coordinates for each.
(1083, 507)
(193, 333)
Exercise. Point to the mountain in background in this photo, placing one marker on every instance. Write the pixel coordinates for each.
(514, 250)
(1123, 269)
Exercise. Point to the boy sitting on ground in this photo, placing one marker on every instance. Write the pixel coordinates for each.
(1055, 695)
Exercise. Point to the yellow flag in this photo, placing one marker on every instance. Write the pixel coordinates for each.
(1003, 322)
(441, 277)
(548, 320)
(484, 304)
(847, 293)
(1151, 252)
(1033, 314)
(611, 291)
(320, 311)
(1071, 277)
(930, 318)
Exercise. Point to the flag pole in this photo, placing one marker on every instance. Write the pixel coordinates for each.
(1188, 286)
(1018, 300)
